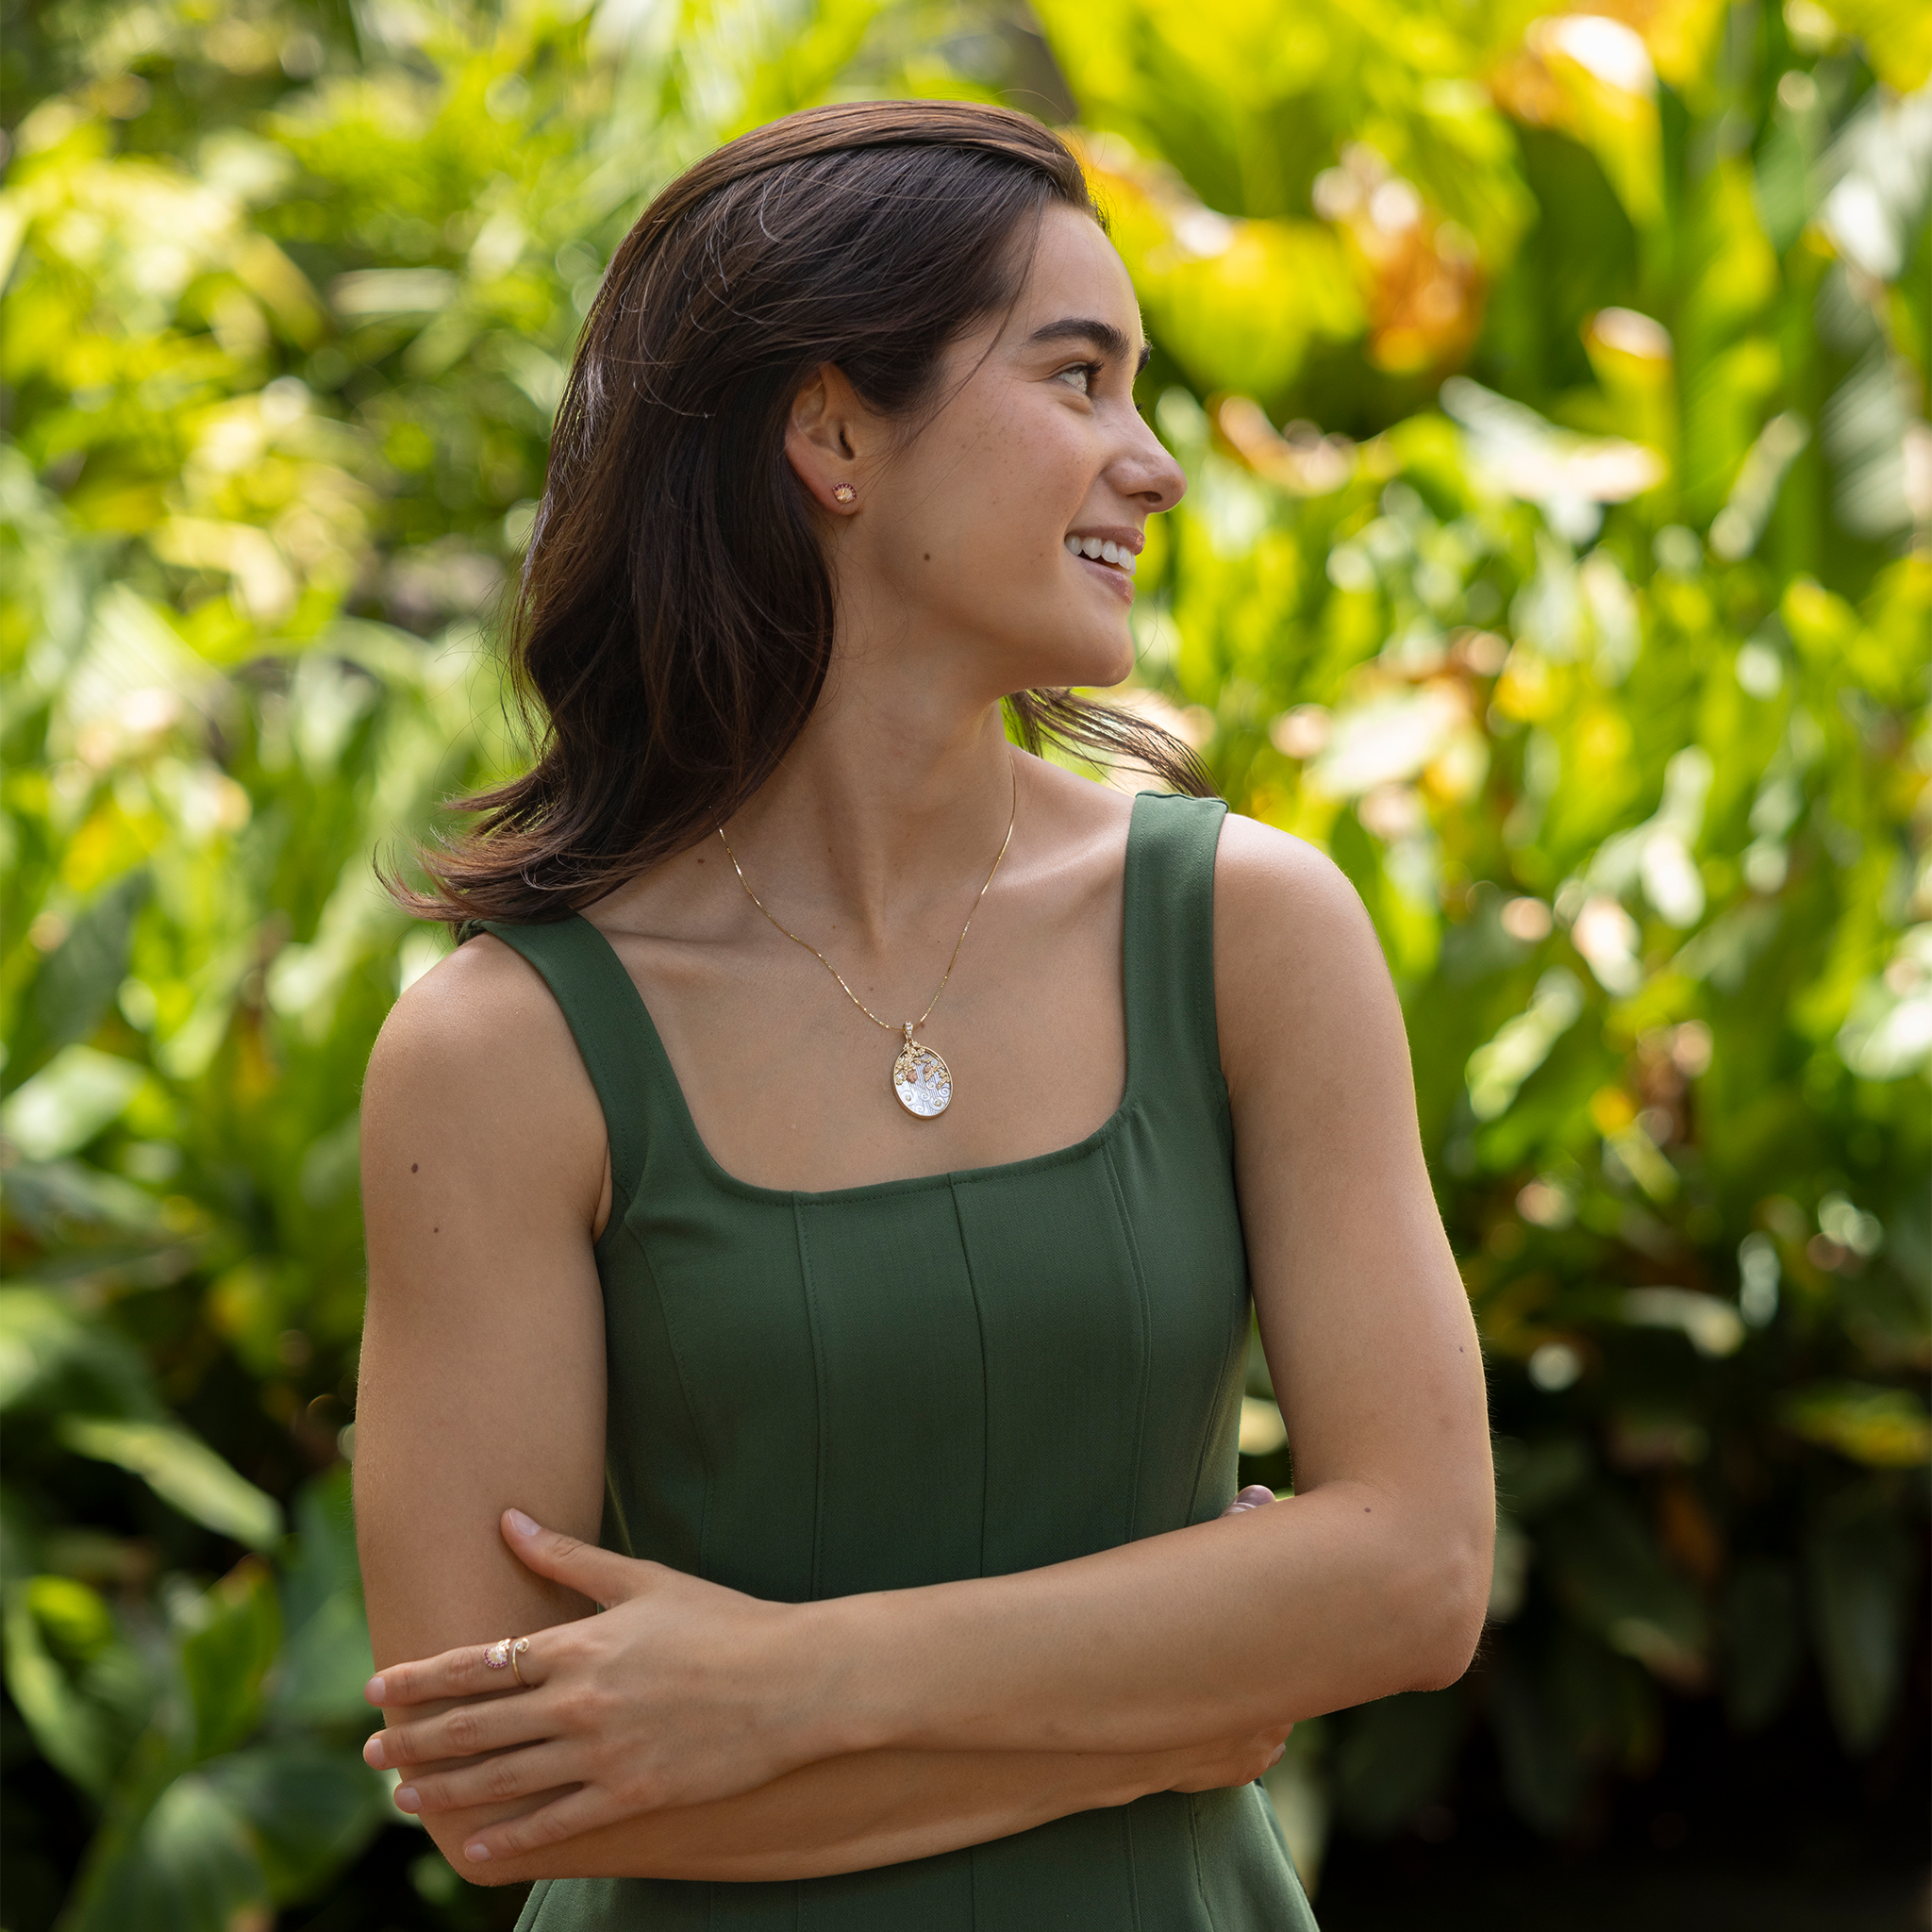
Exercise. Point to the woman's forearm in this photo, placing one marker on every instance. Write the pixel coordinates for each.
(1330, 1599)
(848, 1814)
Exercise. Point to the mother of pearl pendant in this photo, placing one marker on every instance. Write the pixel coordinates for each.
(922, 1080)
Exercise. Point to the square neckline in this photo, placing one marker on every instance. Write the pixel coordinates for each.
(678, 1107)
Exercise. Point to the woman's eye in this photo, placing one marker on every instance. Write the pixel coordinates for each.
(1080, 377)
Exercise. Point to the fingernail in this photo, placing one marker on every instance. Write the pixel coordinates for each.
(406, 1799)
(373, 1753)
(524, 1526)
(476, 1853)
(372, 1689)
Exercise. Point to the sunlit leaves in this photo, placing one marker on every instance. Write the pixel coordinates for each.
(181, 1470)
(1634, 785)
(1601, 668)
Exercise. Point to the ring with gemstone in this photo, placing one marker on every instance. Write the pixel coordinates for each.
(497, 1655)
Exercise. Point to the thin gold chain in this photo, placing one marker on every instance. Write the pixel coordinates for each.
(1013, 817)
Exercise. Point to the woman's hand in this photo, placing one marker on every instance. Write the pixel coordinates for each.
(591, 1731)
(681, 1692)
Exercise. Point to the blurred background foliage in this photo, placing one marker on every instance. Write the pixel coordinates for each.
(1559, 557)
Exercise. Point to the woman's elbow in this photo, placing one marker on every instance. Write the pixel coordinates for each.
(1450, 1607)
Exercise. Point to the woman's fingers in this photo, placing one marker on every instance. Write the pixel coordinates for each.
(547, 1767)
(602, 1576)
(465, 1672)
(1250, 1498)
(549, 1825)
(469, 1728)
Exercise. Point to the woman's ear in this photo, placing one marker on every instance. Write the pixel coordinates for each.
(828, 436)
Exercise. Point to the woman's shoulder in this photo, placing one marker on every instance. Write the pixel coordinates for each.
(1263, 875)
(479, 1029)
(1294, 947)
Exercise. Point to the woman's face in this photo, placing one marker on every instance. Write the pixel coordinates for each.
(957, 552)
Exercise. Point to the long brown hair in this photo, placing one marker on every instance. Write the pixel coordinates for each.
(673, 622)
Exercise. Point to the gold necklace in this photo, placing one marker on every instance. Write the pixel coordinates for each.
(921, 1078)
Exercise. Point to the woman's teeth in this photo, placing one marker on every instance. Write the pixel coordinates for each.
(1102, 551)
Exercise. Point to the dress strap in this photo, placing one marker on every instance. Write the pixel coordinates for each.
(611, 1026)
(1169, 940)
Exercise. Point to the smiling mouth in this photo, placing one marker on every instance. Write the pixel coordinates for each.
(1102, 550)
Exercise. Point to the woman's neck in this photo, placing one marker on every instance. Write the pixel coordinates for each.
(893, 799)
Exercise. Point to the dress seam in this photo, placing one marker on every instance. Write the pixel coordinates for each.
(691, 1413)
(1133, 1247)
(1194, 1840)
(818, 1366)
(984, 1376)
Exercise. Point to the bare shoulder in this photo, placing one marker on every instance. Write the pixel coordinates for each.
(476, 1059)
(1297, 965)
(1280, 903)
(479, 1015)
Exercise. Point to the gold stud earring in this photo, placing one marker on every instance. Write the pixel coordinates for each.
(843, 493)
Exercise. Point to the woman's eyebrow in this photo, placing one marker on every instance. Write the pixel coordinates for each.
(1103, 335)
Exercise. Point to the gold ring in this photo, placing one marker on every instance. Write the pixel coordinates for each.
(516, 1650)
(496, 1655)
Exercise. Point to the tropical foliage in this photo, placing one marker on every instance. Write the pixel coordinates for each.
(1552, 390)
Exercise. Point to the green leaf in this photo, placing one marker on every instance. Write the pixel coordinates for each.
(1897, 37)
(228, 1653)
(49, 1352)
(1764, 1641)
(69, 1101)
(1607, 1566)
(324, 1667)
(1543, 1777)
(1884, 1428)
(311, 1808)
(78, 980)
(72, 1735)
(1860, 1569)
(1532, 1477)
(324, 1564)
(325, 1659)
(1395, 1757)
(182, 1470)
(188, 1866)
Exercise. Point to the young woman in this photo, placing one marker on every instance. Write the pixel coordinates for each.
(816, 1215)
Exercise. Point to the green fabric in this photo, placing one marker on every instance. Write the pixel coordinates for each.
(964, 1375)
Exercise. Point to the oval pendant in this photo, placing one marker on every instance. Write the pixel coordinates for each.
(922, 1080)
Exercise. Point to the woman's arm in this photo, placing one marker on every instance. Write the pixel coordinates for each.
(482, 1385)
(1374, 1578)
(849, 1814)
(1370, 1580)
(481, 1380)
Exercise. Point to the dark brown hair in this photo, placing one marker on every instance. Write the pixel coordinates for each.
(673, 622)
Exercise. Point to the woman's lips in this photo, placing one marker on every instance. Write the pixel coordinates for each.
(1118, 581)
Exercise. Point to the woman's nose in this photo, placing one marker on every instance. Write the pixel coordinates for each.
(1148, 473)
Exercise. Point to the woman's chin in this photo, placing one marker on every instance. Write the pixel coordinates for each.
(1093, 664)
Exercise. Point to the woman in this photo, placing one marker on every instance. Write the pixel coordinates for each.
(880, 1375)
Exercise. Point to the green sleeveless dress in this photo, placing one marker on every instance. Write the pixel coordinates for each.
(961, 1374)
